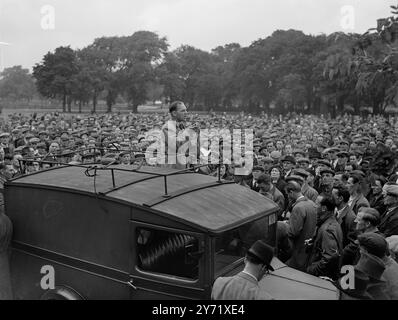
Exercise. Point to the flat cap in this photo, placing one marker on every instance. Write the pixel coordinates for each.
(296, 178)
(374, 243)
(288, 158)
(323, 171)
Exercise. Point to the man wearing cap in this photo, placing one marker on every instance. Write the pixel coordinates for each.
(6, 144)
(389, 221)
(366, 221)
(342, 158)
(125, 158)
(33, 142)
(256, 172)
(304, 163)
(309, 192)
(268, 189)
(245, 285)
(344, 215)
(326, 245)
(372, 246)
(357, 199)
(288, 162)
(301, 225)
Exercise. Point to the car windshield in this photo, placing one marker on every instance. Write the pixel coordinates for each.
(231, 246)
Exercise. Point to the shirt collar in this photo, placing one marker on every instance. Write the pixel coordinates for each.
(250, 275)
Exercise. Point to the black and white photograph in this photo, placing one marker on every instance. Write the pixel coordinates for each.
(216, 151)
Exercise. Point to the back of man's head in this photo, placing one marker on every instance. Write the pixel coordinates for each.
(371, 215)
(343, 192)
(264, 178)
(328, 201)
(293, 186)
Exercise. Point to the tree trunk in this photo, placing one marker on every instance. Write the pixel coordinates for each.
(94, 102)
(69, 104)
(135, 107)
(109, 104)
(376, 106)
(80, 106)
(64, 103)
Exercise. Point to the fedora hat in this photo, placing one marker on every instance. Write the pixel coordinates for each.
(263, 252)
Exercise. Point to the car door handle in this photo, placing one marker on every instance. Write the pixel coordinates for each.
(130, 284)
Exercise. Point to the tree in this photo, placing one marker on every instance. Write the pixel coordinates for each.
(55, 73)
(16, 83)
(104, 58)
(141, 54)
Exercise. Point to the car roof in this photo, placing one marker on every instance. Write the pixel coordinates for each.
(192, 198)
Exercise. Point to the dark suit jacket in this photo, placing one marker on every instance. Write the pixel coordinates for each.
(378, 204)
(359, 202)
(254, 186)
(325, 253)
(302, 224)
(389, 223)
(347, 223)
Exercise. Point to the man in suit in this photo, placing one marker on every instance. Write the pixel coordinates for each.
(366, 221)
(271, 192)
(326, 246)
(357, 199)
(308, 191)
(244, 286)
(256, 172)
(389, 221)
(301, 225)
(345, 216)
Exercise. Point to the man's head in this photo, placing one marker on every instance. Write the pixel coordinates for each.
(125, 157)
(353, 158)
(257, 171)
(304, 163)
(258, 258)
(54, 147)
(340, 195)
(373, 243)
(270, 147)
(367, 219)
(354, 184)
(325, 207)
(288, 162)
(178, 111)
(390, 195)
(264, 182)
(389, 142)
(293, 190)
(349, 167)
(279, 145)
(342, 158)
(377, 185)
(267, 163)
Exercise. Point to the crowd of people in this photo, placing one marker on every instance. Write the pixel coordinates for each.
(334, 181)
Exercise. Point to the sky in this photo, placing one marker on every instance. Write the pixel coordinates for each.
(31, 28)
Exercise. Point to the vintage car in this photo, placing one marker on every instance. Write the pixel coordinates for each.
(151, 233)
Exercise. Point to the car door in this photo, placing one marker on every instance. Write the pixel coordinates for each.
(167, 263)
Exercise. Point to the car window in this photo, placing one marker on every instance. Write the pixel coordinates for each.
(231, 246)
(167, 253)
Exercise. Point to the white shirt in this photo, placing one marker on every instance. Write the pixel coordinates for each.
(339, 212)
(250, 275)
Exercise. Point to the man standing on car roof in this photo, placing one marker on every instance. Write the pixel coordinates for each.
(171, 129)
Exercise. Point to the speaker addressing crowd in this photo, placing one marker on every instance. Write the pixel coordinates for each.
(334, 180)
